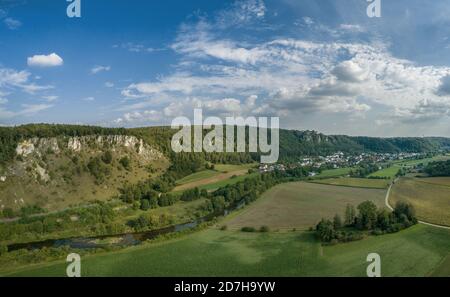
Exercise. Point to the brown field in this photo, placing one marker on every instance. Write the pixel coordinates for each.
(430, 197)
(301, 205)
(207, 177)
(355, 182)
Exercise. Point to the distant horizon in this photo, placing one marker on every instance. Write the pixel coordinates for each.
(168, 126)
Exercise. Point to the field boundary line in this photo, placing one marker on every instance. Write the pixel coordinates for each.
(421, 222)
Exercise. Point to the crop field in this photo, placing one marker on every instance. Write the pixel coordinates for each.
(430, 197)
(355, 182)
(301, 205)
(418, 251)
(203, 179)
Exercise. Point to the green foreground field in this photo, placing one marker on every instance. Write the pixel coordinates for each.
(301, 205)
(430, 197)
(418, 251)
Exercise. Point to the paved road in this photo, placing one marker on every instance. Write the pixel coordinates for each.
(386, 201)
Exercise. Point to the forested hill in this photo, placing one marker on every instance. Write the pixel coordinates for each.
(296, 143)
(293, 144)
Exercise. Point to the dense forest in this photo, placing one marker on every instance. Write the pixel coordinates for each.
(438, 168)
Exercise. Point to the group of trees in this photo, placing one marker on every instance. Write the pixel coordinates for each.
(441, 168)
(148, 194)
(97, 219)
(367, 217)
(364, 170)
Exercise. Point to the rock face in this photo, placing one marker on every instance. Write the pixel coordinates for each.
(77, 144)
(37, 145)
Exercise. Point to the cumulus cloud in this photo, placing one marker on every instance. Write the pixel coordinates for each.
(50, 60)
(109, 84)
(97, 69)
(12, 24)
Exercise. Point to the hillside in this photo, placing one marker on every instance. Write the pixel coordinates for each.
(58, 172)
(57, 166)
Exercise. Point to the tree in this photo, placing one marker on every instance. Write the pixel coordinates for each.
(337, 222)
(107, 157)
(367, 217)
(384, 219)
(125, 162)
(3, 249)
(145, 204)
(407, 209)
(325, 230)
(350, 215)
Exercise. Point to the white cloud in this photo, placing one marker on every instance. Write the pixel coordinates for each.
(12, 24)
(50, 60)
(241, 13)
(352, 28)
(146, 116)
(27, 110)
(97, 69)
(137, 47)
(109, 84)
(50, 98)
(88, 98)
(10, 78)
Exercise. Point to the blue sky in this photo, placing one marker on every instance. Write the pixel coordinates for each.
(321, 65)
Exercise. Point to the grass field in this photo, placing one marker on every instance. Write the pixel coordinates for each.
(430, 197)
(423, 161)
(301, 205)
(386, 172)
(204, 179)
(334, 172)
(418, 251)
(355, 182)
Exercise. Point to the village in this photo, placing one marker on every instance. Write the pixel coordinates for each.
(341, 160)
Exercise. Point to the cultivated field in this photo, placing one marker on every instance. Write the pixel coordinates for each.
(418, 251)
(205, 178)
(301, 205)
(430, 197)
(355, 182)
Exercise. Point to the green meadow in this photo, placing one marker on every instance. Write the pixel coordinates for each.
(418, 251)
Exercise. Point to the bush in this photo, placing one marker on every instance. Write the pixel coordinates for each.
(248, 229)
(3, 249)
(224, 227)
(264, 229)
(125, 162)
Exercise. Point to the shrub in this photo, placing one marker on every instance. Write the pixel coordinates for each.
(224, 227)
(264, 229)
(248, 229)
